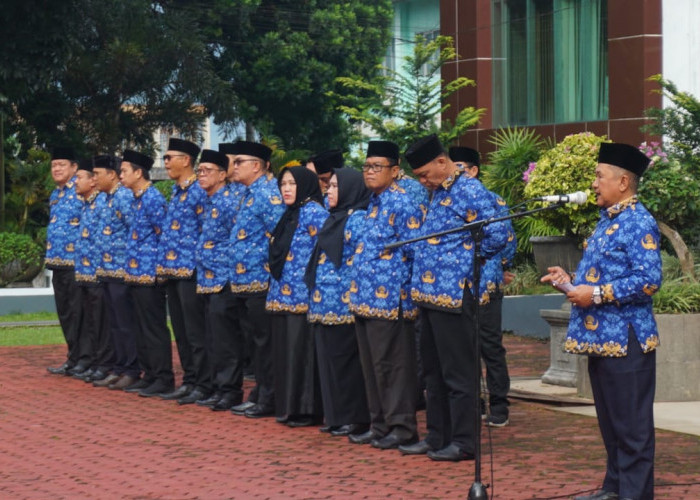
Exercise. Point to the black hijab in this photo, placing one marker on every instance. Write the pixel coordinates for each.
(307, 190)
(352, 195)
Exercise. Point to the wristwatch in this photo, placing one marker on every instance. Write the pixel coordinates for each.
(597, 298)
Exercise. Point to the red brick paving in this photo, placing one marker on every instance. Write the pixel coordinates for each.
(62, 438)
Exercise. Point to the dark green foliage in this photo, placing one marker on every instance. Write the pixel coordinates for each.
(20, 258)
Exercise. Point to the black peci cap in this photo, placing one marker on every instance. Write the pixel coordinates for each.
(384, 149)
(254, 149)
(63, 153)
(424, 151)
(623, 156)
(187, 147)
(465, 155)
(328, 160)
(139, 159)
(217, 158)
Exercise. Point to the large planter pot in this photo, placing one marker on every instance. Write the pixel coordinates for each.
(18, 271)
(555, 251)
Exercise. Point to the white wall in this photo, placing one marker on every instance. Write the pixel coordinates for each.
(681, 44)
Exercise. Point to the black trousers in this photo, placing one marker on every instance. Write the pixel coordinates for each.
(388, 357)
(494, 355)
(449, 363)
(225, 341)
(69, 309)
(340, 375)
(297, 389)
(187, 318)
(123, 327)
(95, 327)
(153, 339)
(259, 322)
(623, 391)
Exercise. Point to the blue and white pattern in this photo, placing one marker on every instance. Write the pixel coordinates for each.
(145, 230)
(87, 252)
(290, 294)
(622, 257)
(444, 265)
(260, 209)
(381, 278)
(112, 242)
(492, 270)
(181, 230)
(64, 226)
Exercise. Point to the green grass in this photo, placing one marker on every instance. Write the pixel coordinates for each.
(39, 316)
(45, 335)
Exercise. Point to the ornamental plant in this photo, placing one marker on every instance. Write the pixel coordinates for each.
(568, 167)
(20, 258)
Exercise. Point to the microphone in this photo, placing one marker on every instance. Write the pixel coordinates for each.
(577, 198)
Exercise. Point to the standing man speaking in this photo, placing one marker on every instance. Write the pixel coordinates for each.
(612, 321)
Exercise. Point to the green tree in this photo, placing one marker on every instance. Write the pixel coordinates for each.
(403, 105)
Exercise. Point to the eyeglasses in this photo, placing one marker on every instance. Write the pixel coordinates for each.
(207, 171)
(374, 167)
(170, 157)
(237, 162)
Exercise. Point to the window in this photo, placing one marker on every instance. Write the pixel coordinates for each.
(429, 36)
(550, 60)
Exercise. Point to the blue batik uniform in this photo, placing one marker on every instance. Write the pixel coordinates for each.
(181, 230)
(290, 294)
(492, 270)
(622, 257)
(113, 239)
(145, 230)
(415, 190)
(444, 265)
(381, 278)
(213, 256)
(260, 209)
(87, 252)
(64, 226)
(330, 299)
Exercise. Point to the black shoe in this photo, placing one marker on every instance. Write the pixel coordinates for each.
(259, 411)
(364, 438)
(83, 375)
(419, 448)
(193, 397)
(347, 429)
(77, 369)
(96, 375)
(599, 495)
(392, 441)
(105, 382)
(302, 421)
(450, 453)
(282, 420)
(241, 408)
(59, 370)
(139, 385)
(210, 401)
(329, 428)
(226, 403)
(155, 389)
(178, 393)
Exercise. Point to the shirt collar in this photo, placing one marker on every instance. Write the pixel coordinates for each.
(621, 206)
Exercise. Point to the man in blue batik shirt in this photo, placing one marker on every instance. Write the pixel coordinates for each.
(442, 283)
(491, 301)
(153, 338)
(260, 209)
(612, 321)
(61, 235)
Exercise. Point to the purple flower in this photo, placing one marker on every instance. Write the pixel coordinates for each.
(530, 167)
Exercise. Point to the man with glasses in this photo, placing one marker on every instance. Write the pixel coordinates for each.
(260, 208)
(224, 336)
(384, 314)
(181, 230)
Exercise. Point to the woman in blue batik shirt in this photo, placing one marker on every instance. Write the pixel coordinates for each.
(328, 278)
(297, 394)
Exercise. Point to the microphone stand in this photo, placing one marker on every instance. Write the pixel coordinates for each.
(477, 491)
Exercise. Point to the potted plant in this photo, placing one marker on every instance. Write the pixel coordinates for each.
(20, 258)
(567, 167)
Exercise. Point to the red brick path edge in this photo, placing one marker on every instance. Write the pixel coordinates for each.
(62, 438)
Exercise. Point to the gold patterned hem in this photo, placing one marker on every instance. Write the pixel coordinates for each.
(57, 262)
(204, 290)
(181, 272)
(144, 279)
(331, 319)
(277, 306)
(117, 274)
(85, 278)
(254, 287)
(366, 311)
(443, 301)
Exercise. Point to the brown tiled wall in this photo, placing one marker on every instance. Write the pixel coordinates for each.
(634, 54)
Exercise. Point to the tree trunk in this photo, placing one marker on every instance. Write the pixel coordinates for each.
(679, 246)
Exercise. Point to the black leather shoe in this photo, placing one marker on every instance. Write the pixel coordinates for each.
(364, 438)
(77, 370)
(178, 393)
(155, 389)
(138, 386)
(392, 441)
(105, 382)
(210, 401)
(83, 375)
(419, 448)
(226, 403)
(347, 429)
(59, 370)
(96, 375)
(301, 421)
(259, 411)
(329, 428)
(282, 419)
(450, 453)
(599, 495)
(123, 382)
(241, 408)
(193, 397)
